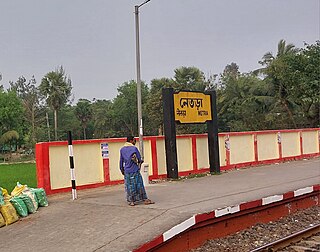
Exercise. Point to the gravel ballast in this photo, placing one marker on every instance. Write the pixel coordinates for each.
(261, 234)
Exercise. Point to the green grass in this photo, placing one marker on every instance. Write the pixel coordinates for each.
(10, 174)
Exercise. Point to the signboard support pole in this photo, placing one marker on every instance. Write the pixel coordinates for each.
(170, 133)
(213, 141)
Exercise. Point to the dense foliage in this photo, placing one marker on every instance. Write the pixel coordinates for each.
(283, 93)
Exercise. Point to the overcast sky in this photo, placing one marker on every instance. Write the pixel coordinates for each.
(95, 40)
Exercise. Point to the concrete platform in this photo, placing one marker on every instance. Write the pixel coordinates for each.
(100, 219)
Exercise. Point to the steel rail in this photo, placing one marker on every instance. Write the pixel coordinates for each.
(286, 241)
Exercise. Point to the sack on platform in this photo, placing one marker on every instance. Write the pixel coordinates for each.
(41, 196)
(9, 213)
(20, 206)
(32, 196)
(1, 197)
(26, 199)
(18, 189)
(2, 221)
(5, 194)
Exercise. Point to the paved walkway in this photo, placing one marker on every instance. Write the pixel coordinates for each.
(100, 220)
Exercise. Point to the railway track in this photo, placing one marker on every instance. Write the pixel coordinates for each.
(244, 227)
(305, 240)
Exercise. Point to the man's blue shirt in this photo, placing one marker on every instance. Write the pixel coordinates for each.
(126, 162)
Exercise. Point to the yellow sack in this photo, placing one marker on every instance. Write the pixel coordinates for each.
(9, 213)
(2, 221)
(18, 190)
(5, 194)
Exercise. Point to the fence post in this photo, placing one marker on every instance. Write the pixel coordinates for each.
(73, 176)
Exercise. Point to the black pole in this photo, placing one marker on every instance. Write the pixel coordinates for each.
(170, 133)
(71, 162)
(213, 140)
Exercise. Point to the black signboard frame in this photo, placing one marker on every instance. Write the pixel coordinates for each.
(170, 134)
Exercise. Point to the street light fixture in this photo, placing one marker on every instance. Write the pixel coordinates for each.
(139, 102)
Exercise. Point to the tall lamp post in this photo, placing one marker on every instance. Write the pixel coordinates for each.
(140, 125)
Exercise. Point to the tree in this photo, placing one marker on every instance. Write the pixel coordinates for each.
(276, 76)
(67, 115)
(189, 78)
(103, 119)
(125, 107)
(11, 112)
(230, 74)
(29, 94)
(154, 104)
(243, 103)
(10, 138)
(302, 77)
(308, 91)
(231, 71)
(83, 112)
(56, 88)
(283, 49)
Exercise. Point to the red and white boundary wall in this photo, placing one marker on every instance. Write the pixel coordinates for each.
(237, 149)
(227, 220)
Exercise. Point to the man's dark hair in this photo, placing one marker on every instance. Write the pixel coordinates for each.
(129, 138)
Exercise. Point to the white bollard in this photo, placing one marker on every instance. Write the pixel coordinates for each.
(145, 173)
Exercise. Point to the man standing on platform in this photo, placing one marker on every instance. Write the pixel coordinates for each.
(130, 163)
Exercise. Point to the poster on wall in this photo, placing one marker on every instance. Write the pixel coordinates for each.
(105, 150)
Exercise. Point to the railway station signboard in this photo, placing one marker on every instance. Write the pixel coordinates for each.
(189, 107)
(192, 107)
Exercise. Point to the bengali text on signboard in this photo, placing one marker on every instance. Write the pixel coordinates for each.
(192, 107)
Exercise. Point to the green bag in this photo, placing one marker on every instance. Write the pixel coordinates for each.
(26, 199)
(1, 198)
(20, 206)
(33, 198)
(41, 196)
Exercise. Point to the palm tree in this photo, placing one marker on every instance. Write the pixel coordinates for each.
(274, 70)
(283, 50)
(56, 88)
(84, 114)
(243, 103)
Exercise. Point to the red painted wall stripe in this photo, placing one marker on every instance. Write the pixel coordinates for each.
(194, 152)
(154, 157)
(227, 149)
(43, 167)
(279, 144)
(301, 143)
(319, 140)
(39, 165)
(255, 147)
(106, 170)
